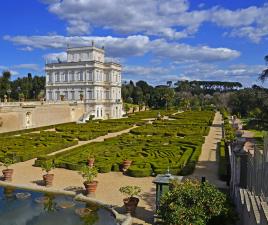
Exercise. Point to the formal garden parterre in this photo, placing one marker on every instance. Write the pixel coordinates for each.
(173, 143)
(28, 146)
(31, 143)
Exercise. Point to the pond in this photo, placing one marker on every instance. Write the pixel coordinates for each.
(18, 207)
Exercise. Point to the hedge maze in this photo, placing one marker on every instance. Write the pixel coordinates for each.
(93, 129)
(29, 143)
(174, 143)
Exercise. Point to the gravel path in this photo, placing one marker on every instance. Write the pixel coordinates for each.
(98, 139)
(207, 165)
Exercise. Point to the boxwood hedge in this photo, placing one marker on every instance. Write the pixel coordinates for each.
(28, 146)
(153, 148)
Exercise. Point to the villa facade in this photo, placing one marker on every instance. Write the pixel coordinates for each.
(85, 76)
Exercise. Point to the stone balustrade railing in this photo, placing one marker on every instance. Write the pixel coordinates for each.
(38, 103)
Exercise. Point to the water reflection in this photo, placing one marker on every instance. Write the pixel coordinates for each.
(8, 192)
(48, 209)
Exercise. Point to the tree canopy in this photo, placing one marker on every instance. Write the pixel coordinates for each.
(193, 202)
(29, 87)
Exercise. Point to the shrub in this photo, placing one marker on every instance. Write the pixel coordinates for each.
(222, 161)
(104, 168)
(115, 167)
(139, 170)
(47, 166)
(191, 202)
(88, 173)
(190, 166)
(130, 191)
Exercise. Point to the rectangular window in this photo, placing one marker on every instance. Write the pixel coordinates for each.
(71, 76)
(57, 77)
(66, 95)
(80, 75)
(96, 75)
(66, 77)
(72, 95)
(49, 78)
(89, 75)
(57, 95)
(107, 94)
(50, 95)
(90, 94)
(76, 57)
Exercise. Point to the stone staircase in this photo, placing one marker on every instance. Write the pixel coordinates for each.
(84, 118)
(252, 209)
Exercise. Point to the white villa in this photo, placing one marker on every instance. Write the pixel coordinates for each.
(85, 76)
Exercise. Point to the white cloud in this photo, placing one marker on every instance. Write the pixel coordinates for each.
(136, 45)
(134, 16)
(13, 68)
(116, 47)
(242, 73)
(167, 18)
(26, 49)
(250, 22)
(144, 71)
(53, 57)
(246, 74)
(184, 52)
(33, 67)
(13, 72)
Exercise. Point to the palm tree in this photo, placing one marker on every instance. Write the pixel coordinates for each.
(264, 75)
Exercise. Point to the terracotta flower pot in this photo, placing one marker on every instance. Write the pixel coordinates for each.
(126, 164)
(7, 174)
(90, 187)
(48, 179)
(131, 204)
(90, 162)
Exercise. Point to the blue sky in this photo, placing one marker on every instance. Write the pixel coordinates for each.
(155, 40)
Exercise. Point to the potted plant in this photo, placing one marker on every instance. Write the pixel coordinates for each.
(126, 164)
(62, 97)
(89, 173)
(81, 96)
(7, 172)
(130, 202)
(90, 160)
(48, 177)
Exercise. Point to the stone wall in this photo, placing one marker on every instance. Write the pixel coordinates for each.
(17, 116)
